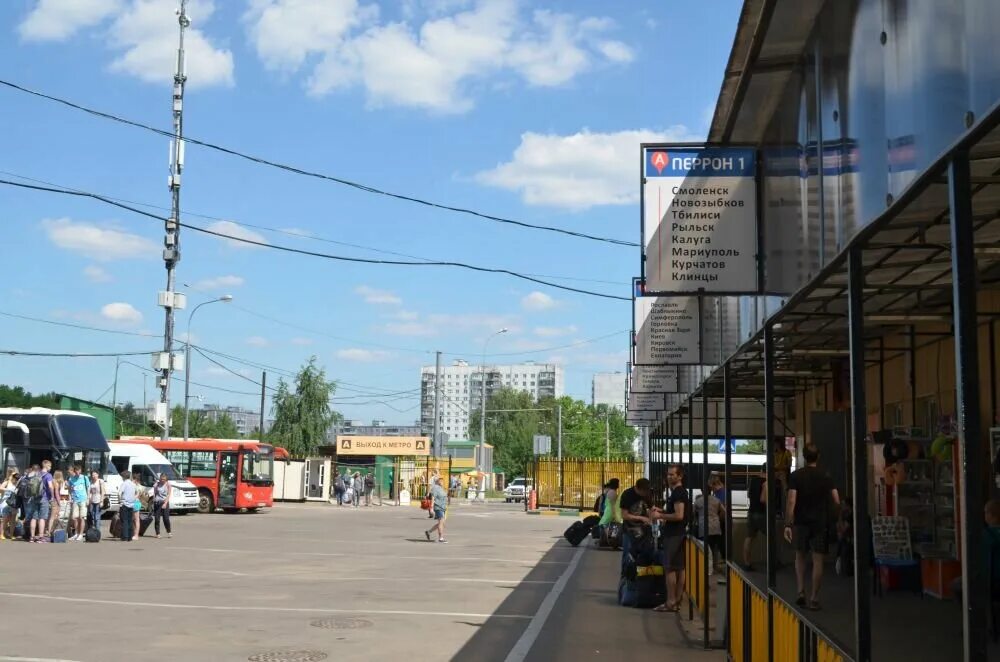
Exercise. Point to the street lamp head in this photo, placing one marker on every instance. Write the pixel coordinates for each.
(226, 298)
(503, 330)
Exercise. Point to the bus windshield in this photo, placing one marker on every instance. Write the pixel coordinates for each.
(258, 466)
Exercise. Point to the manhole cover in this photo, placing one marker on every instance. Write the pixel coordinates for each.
(288, 656)
(341, 623)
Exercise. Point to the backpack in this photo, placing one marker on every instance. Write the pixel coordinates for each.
(93, 534)
(35, 486)
(339, 484)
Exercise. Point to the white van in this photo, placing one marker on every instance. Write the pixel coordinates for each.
(150, 463)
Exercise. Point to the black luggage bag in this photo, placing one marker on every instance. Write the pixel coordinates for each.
(577, 531)
(145, 519)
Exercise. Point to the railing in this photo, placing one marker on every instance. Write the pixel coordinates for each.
(755, 615)
(694, 578)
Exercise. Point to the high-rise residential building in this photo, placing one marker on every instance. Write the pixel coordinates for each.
(246, 420)
(461, 390)
(608, 389)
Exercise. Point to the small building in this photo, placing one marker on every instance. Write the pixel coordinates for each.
(464, 454)
(104, 414)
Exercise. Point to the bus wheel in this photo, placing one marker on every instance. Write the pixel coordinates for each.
(205, 502)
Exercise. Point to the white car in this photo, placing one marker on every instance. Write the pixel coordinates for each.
(517, 490)
(150, 463)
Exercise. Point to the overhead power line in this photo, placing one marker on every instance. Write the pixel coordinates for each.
(308, 173)
(296, 234)
(79, 326)
(300, 251)
(73, 355)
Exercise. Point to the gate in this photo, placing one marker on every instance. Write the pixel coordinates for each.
(570, 483)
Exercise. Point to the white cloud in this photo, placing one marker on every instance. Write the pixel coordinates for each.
(578, 171)
(302, 342)
(404, 315)
(362, 355)
(124, 313)
(96, 274)
(56, 20)
(236, 230)
(616, 51)
(104, 244)
(147, 32)
(257, 341)
(433, 64)
(555, 331)
(286, 32)
(378, 297)
(218, 283)
(410, 329)
(538, 301)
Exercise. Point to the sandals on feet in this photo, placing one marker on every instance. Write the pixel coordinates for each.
(801, 600)
(667, 608)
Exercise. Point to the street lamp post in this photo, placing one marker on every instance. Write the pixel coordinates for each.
(482, 417)
(226, 298)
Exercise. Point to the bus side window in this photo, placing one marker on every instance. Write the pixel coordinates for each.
(120, 463)
(181, 461)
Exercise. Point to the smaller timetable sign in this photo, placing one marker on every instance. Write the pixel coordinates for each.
(666, 331)
(699, 219)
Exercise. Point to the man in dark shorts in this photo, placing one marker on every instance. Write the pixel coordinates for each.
(810, 495)
(756, 514)
(635, 506)
(674, 518)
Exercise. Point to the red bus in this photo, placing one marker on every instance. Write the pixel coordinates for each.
(229, 473)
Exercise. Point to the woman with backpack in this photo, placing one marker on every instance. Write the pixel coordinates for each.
(8, 504)
(55, 503)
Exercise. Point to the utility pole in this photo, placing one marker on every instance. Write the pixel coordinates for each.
(607, 436)
(436, 430)
(169, 299)
(559, 449)
(263, 389)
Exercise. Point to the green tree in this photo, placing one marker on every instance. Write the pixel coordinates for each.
(16, 396)
(302, 416)
(509, 432)
(130, 421)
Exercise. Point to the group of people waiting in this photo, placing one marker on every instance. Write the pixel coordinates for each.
(38, 501)
(349, 489)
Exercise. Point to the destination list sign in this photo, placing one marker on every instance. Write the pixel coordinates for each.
(653, 379)
(646, 402)
(699, 219)
(666, 331)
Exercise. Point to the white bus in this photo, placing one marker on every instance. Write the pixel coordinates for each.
(149, 463)
(742, 466)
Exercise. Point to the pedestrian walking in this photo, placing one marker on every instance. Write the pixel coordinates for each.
(97, 492)
(674, 517)
(161, 504)
(369, 488)
(756, 514)
(439, 508)
(137, 505)
(339, 487)
(127, 495)
(714, 540)
(811, 498)
(358, 484)
(79, 488)
(435, 477)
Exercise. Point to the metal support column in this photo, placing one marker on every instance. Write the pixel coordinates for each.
(772, 528)
(690, 465)
(706, 493)
(859, 458)
(727, 419)
(975, 575)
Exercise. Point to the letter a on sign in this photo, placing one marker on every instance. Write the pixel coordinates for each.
(659, 160)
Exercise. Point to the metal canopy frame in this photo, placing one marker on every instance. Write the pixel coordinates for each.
(898, 274)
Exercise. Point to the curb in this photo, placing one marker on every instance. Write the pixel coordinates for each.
(561, 513)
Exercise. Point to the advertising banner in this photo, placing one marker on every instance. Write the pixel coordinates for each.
(699, 219)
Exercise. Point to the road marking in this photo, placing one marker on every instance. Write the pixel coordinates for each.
(296, 610)
(160, 568)
(34, 659)
(523, 646)
(336, 555)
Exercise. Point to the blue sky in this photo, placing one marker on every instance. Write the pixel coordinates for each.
(529, 110)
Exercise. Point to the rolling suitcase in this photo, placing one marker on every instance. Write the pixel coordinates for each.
(577, 531)
(145, 519)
